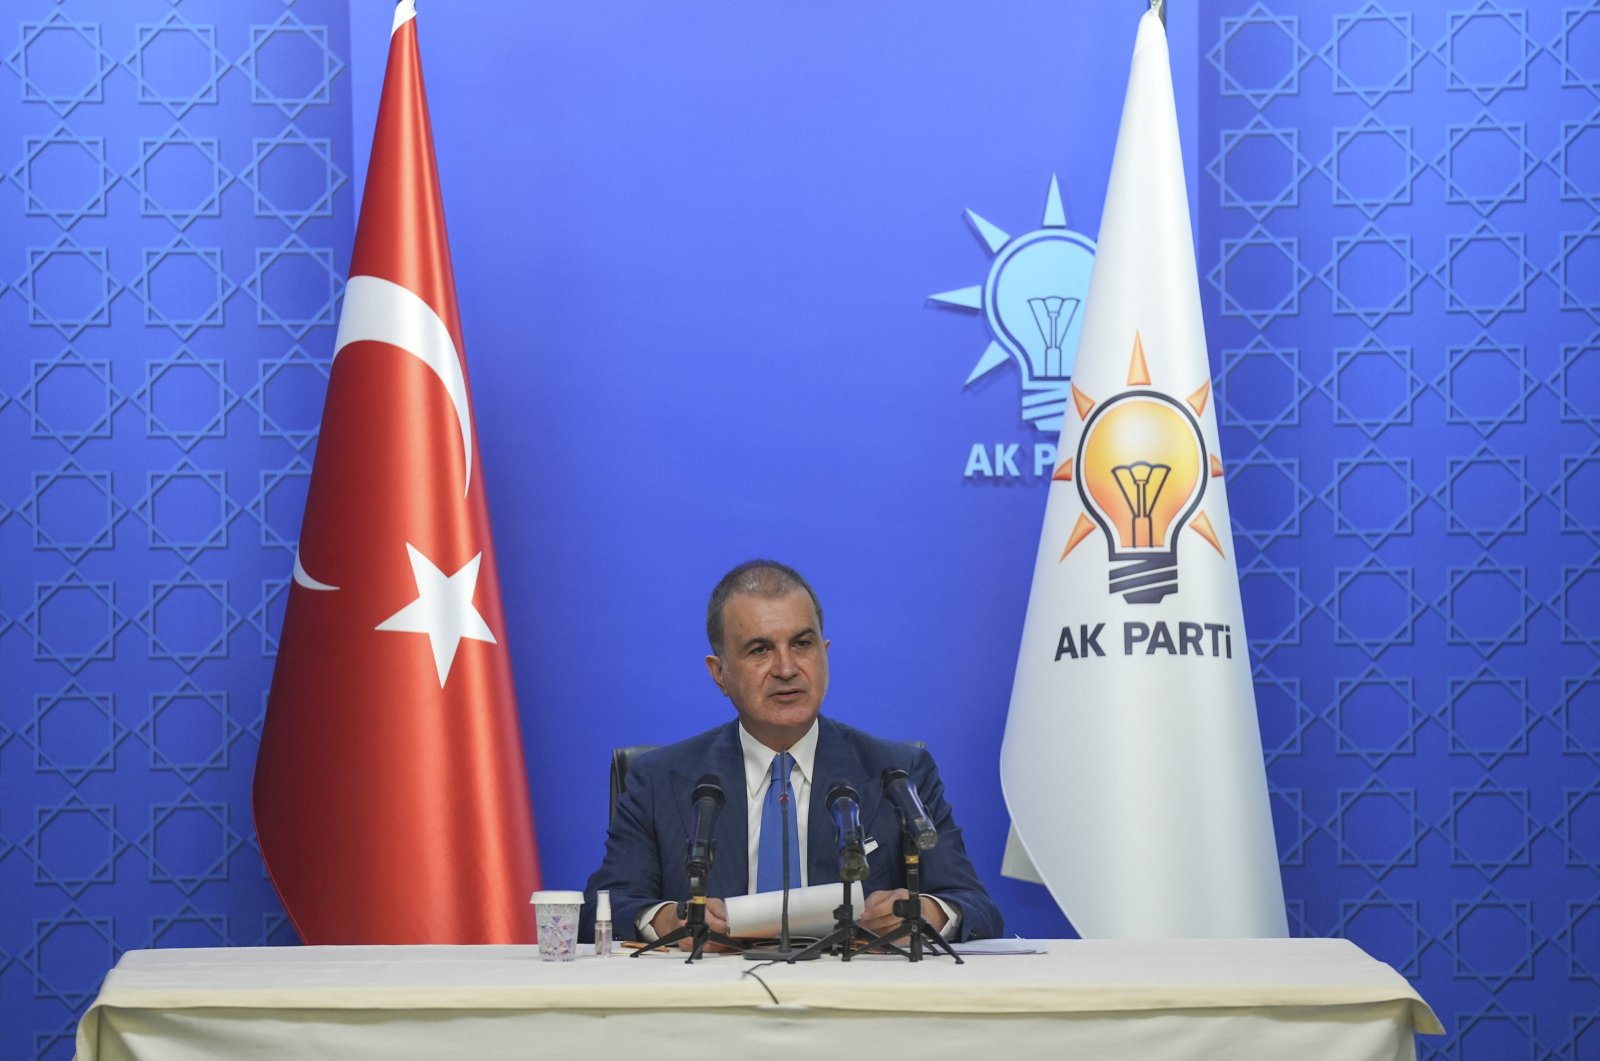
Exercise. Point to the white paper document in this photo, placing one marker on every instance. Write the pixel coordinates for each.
(810, 911)
(1014, 945)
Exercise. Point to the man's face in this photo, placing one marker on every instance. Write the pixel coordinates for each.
(773, 665)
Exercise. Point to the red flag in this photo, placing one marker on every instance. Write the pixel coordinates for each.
(390, 797)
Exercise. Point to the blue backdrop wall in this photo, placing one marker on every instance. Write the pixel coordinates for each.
(695, 245)
(175, 218)
(1401, 247)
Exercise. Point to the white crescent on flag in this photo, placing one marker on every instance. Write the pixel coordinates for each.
(304, 579)
(382, 311)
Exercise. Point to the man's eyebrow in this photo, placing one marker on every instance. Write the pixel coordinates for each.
(756, 642)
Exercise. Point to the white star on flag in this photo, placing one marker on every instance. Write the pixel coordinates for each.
(443, 609)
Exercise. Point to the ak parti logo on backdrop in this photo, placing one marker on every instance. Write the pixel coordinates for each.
(1140, 469)
(1032, 301)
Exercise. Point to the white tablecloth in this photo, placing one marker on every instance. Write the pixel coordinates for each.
(1144, 999)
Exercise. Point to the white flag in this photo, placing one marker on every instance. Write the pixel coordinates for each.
(1132, 761)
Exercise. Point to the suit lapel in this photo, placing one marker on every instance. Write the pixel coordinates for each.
(730, 873)
(837, 760)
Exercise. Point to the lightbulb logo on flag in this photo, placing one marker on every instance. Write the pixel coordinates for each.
(1140, 470)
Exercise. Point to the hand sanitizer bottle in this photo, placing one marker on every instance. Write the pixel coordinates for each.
(602, 925)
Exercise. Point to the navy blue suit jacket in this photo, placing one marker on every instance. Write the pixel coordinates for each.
(645, 846)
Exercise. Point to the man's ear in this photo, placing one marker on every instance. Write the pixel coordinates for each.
(714, 668)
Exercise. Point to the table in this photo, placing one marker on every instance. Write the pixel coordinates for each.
(1171, 999)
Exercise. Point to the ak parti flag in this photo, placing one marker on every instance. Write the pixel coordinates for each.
(1132, 761)
(390, 796)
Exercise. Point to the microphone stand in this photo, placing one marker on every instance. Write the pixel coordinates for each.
(913, 926)
(783, 953)
(843, 934)
(694, 926)
(783, 916)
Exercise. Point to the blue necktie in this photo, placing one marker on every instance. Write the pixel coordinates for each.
(769, 860)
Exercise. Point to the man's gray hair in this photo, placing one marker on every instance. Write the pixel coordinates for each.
(758, 578)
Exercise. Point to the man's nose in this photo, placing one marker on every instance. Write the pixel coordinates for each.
(783, 662)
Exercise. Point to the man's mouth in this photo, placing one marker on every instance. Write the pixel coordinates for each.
(788, 694)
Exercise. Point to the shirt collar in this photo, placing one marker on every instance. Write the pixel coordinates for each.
(758, 758)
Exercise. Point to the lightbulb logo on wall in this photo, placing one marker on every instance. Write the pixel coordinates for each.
(1140, 470)
(1032, 301)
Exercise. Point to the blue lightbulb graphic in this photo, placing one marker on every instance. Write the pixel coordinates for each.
(1032, 300)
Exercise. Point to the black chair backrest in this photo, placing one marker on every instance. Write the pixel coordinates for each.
(621, 760)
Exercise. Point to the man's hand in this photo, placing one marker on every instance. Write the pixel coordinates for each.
(878, 916)
(667, 919)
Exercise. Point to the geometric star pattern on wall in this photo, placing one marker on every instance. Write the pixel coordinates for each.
(175, 63)
(173, 180)
(1409, 399)
(180, 177)
(64, 177)
(1371, 166)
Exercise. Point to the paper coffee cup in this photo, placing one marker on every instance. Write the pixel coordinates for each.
(556, 913)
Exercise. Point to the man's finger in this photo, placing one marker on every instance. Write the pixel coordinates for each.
(877, 915)
(882, 902)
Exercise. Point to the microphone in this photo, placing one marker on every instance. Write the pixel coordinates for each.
(844, 803)
(897, 785)
(708, 801)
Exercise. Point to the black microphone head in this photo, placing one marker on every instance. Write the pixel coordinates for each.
(842, 790)
(709, 787)
(913, 816)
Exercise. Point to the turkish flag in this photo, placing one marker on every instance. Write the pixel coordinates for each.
(391, 801)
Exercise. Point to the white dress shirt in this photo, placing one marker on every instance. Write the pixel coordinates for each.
(758, 779)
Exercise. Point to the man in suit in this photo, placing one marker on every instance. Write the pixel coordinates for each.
(769, 658)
